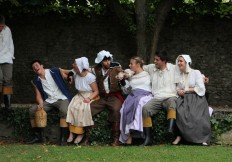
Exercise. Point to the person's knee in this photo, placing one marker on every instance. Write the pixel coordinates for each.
(172, 103)
(145, 112)
(63, 114)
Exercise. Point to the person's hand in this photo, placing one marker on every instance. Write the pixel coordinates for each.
(181, 92)
(87, 100)
(70, 79)
(206, 80)
(40, 106)
(126, 75)
(120, 76)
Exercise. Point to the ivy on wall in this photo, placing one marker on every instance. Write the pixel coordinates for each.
(101, 132)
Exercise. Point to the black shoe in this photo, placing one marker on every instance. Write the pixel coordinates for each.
(171, 125)
(64, 132)
(33, 140)
(148, 136)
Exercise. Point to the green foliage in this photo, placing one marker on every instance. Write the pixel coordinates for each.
(42, 7)
(160, 128)
(195, 9)
(19, 120)
(220, 126)
(192, 9)
(101, 134)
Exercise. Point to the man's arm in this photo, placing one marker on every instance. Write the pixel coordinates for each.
(38, 96)
(67, 74)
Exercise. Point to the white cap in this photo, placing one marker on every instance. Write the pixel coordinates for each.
(101, 55)
(82, 63)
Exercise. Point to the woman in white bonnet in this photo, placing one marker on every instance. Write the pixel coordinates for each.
(79, 113)
(193, 119)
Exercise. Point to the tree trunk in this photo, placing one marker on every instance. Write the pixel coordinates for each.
(140, 11)
(161, 14)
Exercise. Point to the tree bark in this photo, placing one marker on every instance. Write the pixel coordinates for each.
(161, 14)
(141, 12)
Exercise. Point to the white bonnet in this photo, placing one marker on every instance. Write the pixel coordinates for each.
(82, 63)
(188, 60)
(101, 55)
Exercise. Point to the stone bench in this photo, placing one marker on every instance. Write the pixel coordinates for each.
(52, 130)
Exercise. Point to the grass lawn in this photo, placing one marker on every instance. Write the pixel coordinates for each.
(157, 153)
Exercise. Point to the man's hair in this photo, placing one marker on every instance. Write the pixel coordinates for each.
(2, 19)
(34, 61)
(106, 58)
(163, 55)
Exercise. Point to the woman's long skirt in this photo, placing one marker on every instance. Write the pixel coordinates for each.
(193, 119)
(79, 113)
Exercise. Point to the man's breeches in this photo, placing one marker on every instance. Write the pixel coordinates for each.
(6, 82)
(112, 103)
(61, 105)
(155, 105)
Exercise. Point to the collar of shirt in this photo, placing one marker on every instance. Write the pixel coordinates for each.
(168, 67)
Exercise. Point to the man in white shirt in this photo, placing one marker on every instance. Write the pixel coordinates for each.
(51, 92)
(164, 91)
(6, 62)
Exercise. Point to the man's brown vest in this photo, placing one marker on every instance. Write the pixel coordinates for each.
(113, 82)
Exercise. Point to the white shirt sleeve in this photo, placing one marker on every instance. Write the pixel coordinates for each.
(199, 85)
(91, 78)
(7, 46)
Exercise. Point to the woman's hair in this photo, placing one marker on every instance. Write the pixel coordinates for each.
(138, 60)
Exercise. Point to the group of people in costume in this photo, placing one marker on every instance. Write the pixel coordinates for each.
(178, 89)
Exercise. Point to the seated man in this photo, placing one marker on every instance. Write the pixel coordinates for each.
(164, 91)
(109, 91)
(51, 92)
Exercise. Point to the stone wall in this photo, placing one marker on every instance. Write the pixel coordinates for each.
(57, 42)
(209, 43)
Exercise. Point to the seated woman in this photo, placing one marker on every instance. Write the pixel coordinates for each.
(79, 113)
(131, 122)
(193, 119)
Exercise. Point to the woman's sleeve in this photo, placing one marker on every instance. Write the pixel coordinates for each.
(91, 79)
(199, 86)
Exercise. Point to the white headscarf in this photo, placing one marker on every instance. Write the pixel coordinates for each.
(101, 55)
(188, 61)
(82, 63)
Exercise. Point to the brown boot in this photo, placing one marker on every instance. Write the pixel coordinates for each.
(116, 133)
(86, 141)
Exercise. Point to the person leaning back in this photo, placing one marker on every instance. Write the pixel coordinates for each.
(51, 92)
